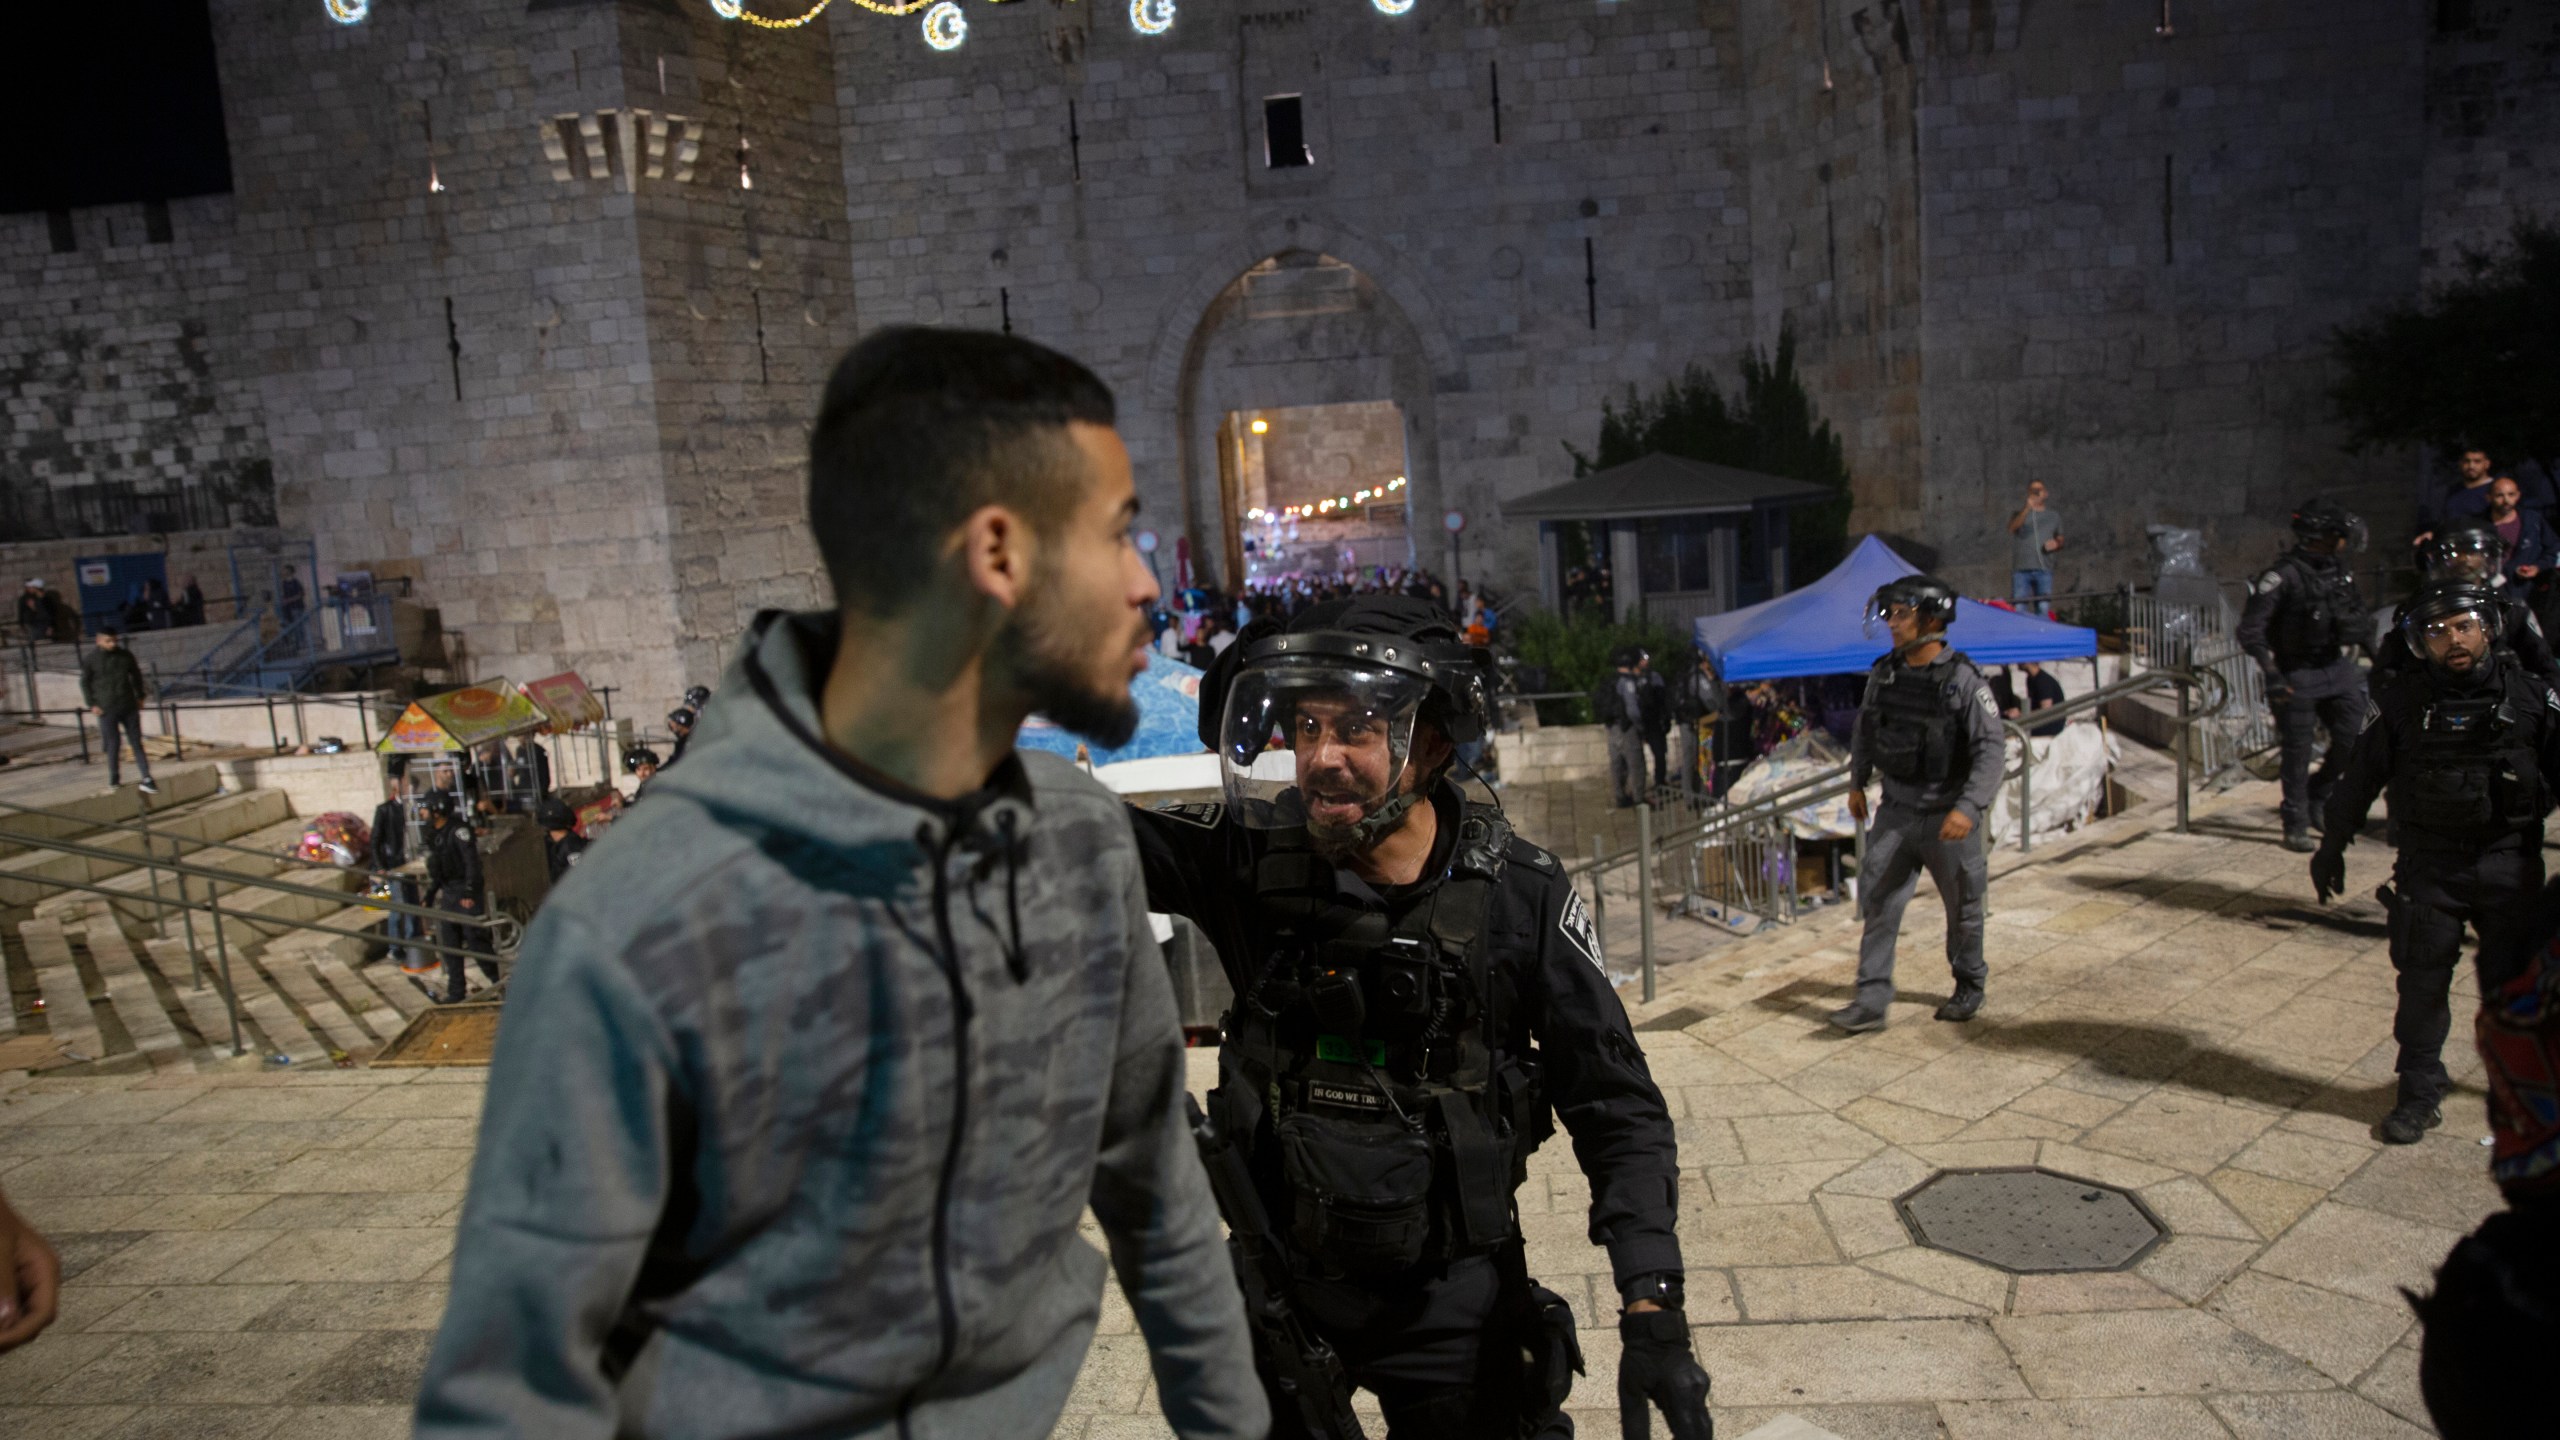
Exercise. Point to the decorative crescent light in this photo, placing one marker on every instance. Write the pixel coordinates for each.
(349, 12)
(944, 26)
(1392, 7)
(737, 10)
(1154, 17)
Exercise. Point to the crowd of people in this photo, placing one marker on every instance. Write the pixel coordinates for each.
(1203, 621)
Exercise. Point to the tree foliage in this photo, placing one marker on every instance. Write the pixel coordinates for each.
(2474, 362)
(1770, 427)
(1576, 651)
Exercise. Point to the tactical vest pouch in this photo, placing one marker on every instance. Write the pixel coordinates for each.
(1914, 736)
(2455, 784)
(1480, 1169)
(1554, 1352)
(1361, 1192)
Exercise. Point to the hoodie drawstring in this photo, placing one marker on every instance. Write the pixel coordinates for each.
(1014, 958)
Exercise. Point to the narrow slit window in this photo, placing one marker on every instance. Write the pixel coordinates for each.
(1284, 133)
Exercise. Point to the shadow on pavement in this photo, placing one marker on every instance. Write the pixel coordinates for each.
(2276, 912)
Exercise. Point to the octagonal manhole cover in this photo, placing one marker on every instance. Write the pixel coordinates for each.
(2030, 1221)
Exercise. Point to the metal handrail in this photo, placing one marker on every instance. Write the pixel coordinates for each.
(147, 832)
(497, 925)
(2148, 680)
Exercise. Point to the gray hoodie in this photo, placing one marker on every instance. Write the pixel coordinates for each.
(804, 1083)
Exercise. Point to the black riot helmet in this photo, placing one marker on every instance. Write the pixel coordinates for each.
(2444, 619)
(637, 756)
(2321, 518)
(1928, 596)
(697, 696)
(555, 815)
(439, 804)
(2469, 552)
(681, 719)
(1371, 666)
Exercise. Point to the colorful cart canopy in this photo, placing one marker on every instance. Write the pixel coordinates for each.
(460, 719)
(565, 701)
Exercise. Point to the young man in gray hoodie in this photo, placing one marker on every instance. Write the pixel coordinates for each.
(810, 1068)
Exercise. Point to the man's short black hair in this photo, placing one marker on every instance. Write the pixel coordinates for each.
(922, 426)
(2490, 1326)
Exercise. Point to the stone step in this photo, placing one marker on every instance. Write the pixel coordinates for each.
(137, 1003)
(290, 971)
(263, 854)
(251, 914)
(380, 1013)
(212, 1020)
(66, 996)
(81, 810)
(223, 817)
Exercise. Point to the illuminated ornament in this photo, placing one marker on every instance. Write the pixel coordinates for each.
(349, 12)
(1151, 17)
(1261, 427)
(1392, 7)
(737, 10)
(945, 27)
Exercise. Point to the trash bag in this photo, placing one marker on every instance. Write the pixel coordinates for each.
(337, 838)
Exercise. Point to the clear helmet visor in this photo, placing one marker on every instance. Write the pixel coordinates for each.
(1315, 741)
(2467, 557)
(2439, 638)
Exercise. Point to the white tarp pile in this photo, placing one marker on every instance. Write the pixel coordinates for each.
(2069, 779)
(1792, 763)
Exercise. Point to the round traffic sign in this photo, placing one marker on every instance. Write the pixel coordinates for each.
(1454, 521)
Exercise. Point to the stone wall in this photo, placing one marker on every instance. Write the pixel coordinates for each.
(489, 326)
(126, 391)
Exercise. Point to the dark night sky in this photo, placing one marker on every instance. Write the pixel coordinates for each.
(110, 102)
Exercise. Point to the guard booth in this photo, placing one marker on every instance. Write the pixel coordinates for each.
(1681, 538)
(436, 737)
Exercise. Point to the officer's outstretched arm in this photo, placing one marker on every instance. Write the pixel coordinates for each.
(2368, 771)
(1180, 851)
(1602, 1092)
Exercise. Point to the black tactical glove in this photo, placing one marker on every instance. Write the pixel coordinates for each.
(1656, 1366)
(2328, 872)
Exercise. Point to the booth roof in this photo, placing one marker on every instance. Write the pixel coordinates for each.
(1659, 485)
(1821, 628)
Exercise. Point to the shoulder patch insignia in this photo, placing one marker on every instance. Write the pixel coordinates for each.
(1990, 706)
(1575, 922)
(1524, 853)
(2267, 584)
(1204, 813)
(2551, 697)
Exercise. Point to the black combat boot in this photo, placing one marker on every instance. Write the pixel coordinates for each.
(1857, 1019)
(1966, 1003)
(2297, 838)
(2410, 1120)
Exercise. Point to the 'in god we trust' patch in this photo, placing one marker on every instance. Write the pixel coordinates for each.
(1575, 922)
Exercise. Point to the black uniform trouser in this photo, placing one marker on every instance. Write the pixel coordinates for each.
(2297, 722)
(1428, 1348)
(2437, 891)
(455, 937)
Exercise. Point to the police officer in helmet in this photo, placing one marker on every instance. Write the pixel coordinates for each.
(2303, 625)
(2474, 554)
(1419, 995)
(561, 842)
(1931, 726)
(2461, 745)
(454, 884)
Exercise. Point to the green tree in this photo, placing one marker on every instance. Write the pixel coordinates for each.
(2475, 361)
(1770, 427)
(1576, 651)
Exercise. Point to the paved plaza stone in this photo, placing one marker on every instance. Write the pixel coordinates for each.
(263, 1254)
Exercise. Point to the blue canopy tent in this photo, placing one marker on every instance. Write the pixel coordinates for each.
(1168, 697)
(1821, 629)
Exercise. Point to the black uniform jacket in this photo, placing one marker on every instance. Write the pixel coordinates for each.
(1199, 864)
(453, 861)
(2393, 711)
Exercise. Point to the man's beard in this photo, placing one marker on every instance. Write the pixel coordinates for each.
(1041, 655)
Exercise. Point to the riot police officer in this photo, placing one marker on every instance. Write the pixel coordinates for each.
(2474, 554)
(2303, 625)
(561, 842)
(641, 764)
(454, 884)
(1419, 995)
(2461, 745)
(1931, 726)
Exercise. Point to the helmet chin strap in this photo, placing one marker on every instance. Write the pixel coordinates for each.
(1372, 829)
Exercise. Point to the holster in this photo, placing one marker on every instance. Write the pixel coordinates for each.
(1551, 1351)
(2395, 914)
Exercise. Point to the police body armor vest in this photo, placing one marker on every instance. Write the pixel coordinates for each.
(2467, 770)
(1915, 737)
(1369, 1056)
(2318, 615)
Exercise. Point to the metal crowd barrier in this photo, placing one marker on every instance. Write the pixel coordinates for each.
(1756, 853)
(503, 931)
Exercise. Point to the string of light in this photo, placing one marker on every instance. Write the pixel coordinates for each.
(1326, 507)
(737, 10)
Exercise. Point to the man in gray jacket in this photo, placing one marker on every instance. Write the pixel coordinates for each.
(1932, 726)
(799, 1145)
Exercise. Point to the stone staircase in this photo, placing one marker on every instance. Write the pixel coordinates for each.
(116, 983)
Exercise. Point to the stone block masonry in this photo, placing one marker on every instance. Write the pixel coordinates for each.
(2015, 241)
